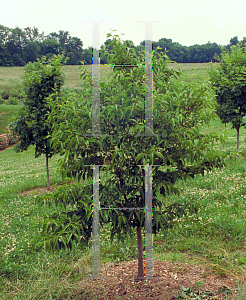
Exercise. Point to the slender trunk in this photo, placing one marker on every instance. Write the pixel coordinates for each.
(47, 168)
(225, 131)
(237, 140)
(140, 254)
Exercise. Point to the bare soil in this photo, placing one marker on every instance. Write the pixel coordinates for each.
(40, 190)
(36, 190)
(118, 281)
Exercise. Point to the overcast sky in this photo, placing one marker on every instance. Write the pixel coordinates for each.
(188, 22)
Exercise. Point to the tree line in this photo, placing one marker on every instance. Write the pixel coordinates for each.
(20, 46)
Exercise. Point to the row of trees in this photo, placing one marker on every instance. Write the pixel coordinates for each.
(176, 52)
(20, 46)
(176, 149)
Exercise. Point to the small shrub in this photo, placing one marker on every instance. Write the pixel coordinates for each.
(13, 139)
(7, 139)
(2, 101)
(6, 93)
(13, 101)
(3, 141)
(16, 89)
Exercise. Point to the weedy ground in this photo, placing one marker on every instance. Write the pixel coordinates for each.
(204, 253)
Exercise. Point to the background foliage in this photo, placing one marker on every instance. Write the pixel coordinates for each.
(229, 82)
(19, 46)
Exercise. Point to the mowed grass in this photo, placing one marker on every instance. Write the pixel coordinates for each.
(7, 113)
(11, 76)
(216, 236)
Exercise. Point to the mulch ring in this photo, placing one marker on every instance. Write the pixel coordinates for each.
(121, 282)
(40, 190)
(36, 191)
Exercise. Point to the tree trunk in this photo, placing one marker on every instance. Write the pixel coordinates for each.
(225, 132)
(47, 169)
(237, 140)
(140, 254)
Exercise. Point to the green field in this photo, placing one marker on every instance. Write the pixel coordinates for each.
(215, 238)
(10, 77)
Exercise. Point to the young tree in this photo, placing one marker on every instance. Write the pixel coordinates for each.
(41, 79)
(229, 82)
(176, 150)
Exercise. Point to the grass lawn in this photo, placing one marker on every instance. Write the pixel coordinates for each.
(207, 249)
(11, 76)
(7, 112)
(215, 238)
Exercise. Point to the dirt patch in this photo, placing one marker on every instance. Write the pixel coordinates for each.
(40, 190)
(35, 191)
(121, 282)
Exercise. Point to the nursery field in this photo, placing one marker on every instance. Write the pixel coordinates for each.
(205, 252)
(11, 77)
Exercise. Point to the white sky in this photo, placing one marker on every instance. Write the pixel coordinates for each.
(188, 22)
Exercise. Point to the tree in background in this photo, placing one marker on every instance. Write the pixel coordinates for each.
(63, 42)
(41, 79)
(229, 82)
(177, 150)
(234, 41)
(19, 46)
(87, 56)
(49, 47)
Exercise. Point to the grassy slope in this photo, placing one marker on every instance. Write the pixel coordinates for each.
(216, 236)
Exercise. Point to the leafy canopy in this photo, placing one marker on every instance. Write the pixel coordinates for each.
(177, 150)
(41, 79)
(229, 82)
